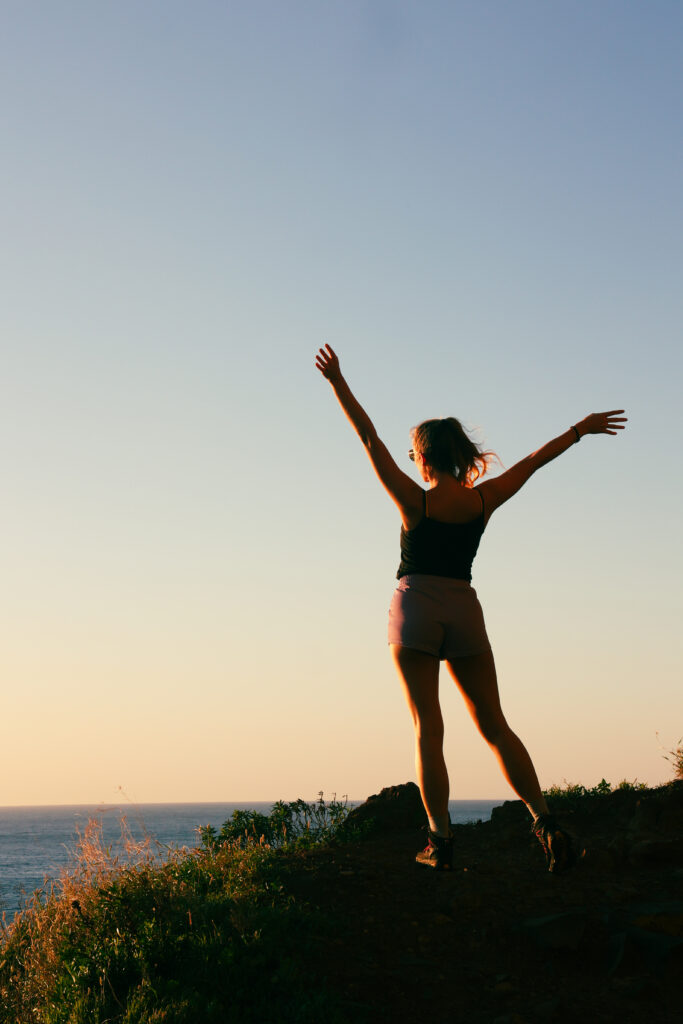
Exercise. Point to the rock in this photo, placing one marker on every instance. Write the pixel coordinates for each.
(504, 988)
(656, 851)
(631, 987)
(549, 1009)
(647, 934)
(556, 931)
(665, 919)
(510, 813)
(618, 849)
(645, 816)
(672, 819)
(598, 857)
(394, 809)
(439, 918)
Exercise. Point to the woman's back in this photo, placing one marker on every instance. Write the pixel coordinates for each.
(437, 546)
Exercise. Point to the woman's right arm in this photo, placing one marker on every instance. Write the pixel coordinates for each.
(501, 488)
(401, 488)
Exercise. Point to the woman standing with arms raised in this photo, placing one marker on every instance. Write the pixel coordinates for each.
(435, 614)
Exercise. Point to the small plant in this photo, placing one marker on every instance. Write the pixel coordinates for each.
(675, 758)
(573, 790)
(628, 785)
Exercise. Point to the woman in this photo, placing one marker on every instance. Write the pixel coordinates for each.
(435, 614)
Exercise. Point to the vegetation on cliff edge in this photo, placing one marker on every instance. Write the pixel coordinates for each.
(174, 936)
(164, 936)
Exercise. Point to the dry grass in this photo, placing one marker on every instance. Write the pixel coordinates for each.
(675, 757)
(52, 912)
(139, 933)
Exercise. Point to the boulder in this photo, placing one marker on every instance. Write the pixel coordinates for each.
(394, 809)
(646, 933)
(510, 813)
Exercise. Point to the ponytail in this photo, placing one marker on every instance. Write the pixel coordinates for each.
(447, 447)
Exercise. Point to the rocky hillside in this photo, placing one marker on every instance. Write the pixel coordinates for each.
(499, 940)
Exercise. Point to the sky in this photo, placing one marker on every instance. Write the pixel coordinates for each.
(479, 206)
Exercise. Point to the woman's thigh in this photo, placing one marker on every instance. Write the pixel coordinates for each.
(475, 677)
(419, 674)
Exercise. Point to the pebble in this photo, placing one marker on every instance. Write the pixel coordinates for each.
(441, 919)
(504, 988)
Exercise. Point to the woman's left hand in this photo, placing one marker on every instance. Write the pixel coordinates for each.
(602, 423)
(328, 363)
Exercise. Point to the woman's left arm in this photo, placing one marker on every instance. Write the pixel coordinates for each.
(404, 491)
(501, 488)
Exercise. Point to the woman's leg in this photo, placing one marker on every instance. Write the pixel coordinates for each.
(419, 674)
(476, 679)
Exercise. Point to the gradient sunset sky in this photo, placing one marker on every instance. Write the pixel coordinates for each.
(478, 205)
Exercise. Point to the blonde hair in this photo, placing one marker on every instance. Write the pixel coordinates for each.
(445, 445)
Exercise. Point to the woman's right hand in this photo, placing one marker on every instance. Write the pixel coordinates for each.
(328, 363)
(602, 423)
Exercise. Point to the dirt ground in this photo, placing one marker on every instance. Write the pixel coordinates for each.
(499, 940)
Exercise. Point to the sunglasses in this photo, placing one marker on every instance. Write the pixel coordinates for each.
(411, 455)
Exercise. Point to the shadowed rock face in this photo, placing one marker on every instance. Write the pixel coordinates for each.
(395, 809)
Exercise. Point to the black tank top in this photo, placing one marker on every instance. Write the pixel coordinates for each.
(440, 549)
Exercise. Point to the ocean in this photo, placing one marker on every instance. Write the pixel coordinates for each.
(38, 843)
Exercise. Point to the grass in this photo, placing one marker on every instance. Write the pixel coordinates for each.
(168, 936)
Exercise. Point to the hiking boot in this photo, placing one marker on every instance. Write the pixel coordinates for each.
(557, 844)
(438, 853)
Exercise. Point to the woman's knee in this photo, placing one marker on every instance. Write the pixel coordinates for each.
(492, 727)
(429, 732)
(429, 748)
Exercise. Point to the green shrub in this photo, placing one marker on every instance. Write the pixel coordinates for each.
(573, 793)
(298, 823)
